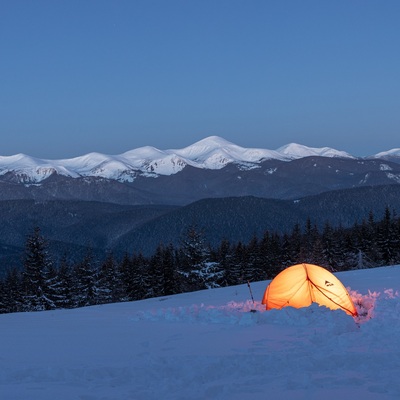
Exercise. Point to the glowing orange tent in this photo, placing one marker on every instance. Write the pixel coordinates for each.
(302, 284)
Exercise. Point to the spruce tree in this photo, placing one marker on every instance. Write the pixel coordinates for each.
(156, 273)
(140, 285)
(126, 284)
(386, 238)
(236, 273)
(107, 281)
(13, 291)
(55, 288)
(223, 255)
(194, 255)
(171, 283)
(270, 253)
(65, 284)
(36, 281)
(85, 282)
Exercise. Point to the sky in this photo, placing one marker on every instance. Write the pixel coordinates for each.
(208, 345)
(110, 76)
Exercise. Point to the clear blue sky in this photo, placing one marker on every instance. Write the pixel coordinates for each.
(110, 76)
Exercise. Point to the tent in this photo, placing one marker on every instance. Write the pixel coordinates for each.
(302, 284)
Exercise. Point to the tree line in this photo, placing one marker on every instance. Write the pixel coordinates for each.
(40, 284)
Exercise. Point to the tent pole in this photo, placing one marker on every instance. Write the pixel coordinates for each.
(251, 294)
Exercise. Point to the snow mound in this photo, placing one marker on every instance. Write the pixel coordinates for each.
(249, 314)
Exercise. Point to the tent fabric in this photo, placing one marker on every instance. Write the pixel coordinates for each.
(302, 284)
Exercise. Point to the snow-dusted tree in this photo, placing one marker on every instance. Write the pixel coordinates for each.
(194, 261)
(210, 275)
(36, 280)
(85, 282)
(55, 288)
(362, 261)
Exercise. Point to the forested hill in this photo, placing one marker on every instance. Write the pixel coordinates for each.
(240, 218)
(71, 227)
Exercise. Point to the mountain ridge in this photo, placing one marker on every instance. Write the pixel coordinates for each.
(211, 153)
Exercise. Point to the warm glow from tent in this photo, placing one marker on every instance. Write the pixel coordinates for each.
(302, 284)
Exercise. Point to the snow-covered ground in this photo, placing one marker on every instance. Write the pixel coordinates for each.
(208, 345)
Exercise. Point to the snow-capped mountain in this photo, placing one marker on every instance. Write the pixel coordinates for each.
(390, 155)
(210, 168)
(294, 151)
(210, 153)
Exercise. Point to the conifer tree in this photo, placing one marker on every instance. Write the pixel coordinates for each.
(224, 257)
(171, 282)
(65, 284)
(85, 282)
(13, 291)
(36, 292)
(271, 255)
(236, 274)
(107, 281)
(140, 287)
(287, 254)
(55, 288)
(126, 282)
(295, 245)
(194, 255)
(156, 273)
(386, 238)
(255, 265)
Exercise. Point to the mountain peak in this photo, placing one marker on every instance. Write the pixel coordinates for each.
(295, 150)
(213, 141)
(202, 147)
(387, 154)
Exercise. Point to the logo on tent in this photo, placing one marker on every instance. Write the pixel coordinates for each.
(327, 283)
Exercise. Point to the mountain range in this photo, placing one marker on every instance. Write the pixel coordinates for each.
(135, 201)
(210, 168)
(210, 153)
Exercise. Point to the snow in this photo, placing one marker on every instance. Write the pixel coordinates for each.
(208, 345)
(212, 152)
(294, 151)
(392, 153)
